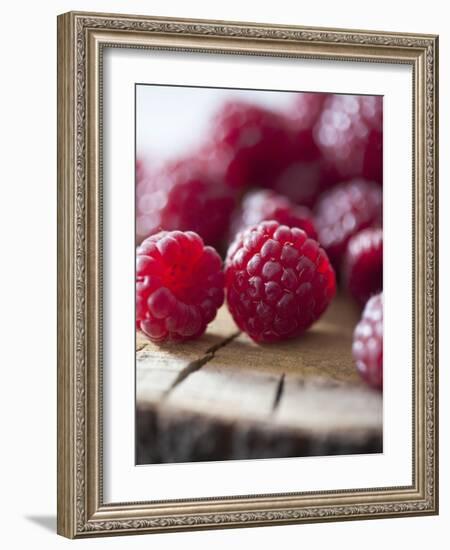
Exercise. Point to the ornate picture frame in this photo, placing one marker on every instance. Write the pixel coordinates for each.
(82, 37)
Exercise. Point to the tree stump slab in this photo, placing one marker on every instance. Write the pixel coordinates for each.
(225, 397)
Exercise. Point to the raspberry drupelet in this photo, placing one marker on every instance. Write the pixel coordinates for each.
(363, 264)
(278, 281)
(343, 211)
(263, 205)
(179, 286)
(368, 342)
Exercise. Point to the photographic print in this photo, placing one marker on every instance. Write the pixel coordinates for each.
(247, 274)
(259, 274)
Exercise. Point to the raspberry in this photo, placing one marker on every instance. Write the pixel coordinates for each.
(368, 342)
(363, 264)
(303, 181)
(179, 286)
(278, 281)
(259, 206)
(343, 211)
(184, 196)
(223, 163)
(308, 173)
(141, 170)
(252, 142)
(303, 116)
(350, 134)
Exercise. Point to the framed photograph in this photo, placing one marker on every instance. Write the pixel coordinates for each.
(247, 274)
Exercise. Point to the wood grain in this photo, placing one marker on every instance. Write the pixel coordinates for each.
(224, 396)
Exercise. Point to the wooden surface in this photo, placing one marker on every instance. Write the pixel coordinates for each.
(226, 397)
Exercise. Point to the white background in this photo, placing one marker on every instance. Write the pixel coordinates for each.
(123, 482)
(28, 276)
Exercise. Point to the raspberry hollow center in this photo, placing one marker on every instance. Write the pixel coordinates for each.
(179, 286)
(180, 279)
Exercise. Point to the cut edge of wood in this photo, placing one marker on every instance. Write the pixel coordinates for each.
(169, 434)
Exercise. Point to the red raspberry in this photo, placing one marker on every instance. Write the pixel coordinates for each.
(363, 264)
(368, 342)
(278, 282)
(184, 196)
(252, 142)
(303, 117)
(308, 173)
(303, 181)
(224, 164)
(343, 211)
(179, 286)
(259, 206)
(141, 170)
(350, 134)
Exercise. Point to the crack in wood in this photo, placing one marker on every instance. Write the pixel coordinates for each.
(196, 365)
(223, 343)
(279, 392)
(140, 347)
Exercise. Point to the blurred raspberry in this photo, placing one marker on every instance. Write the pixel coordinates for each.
(184, 196)
(363, 264)
(303, 181)
(343, 211)
(251, 142)
(263, 205)
(303, 116)
(307, 173)
(141, 169)
(368, 343)
(349, 133)
(223, 164)
(278, 281)
(179, 286)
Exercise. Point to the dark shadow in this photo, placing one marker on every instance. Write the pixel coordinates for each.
(47, 522)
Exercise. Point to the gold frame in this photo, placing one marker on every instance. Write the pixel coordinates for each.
(81, 37)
